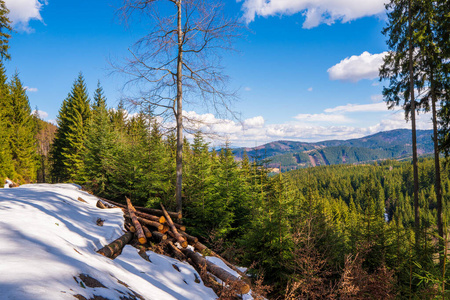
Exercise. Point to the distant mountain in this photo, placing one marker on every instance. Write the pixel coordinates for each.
(394, 144)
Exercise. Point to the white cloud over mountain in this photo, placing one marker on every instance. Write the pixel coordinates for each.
(316, 12)
(355, 68)
(372, 107)
(332, 123)
(23, 11)
(334, 118)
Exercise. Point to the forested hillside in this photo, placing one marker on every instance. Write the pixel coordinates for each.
(290, 155)
(356, 219)
(332, 231)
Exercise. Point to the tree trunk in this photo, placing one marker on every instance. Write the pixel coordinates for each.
(217, 271)
(147, 232)
(154, 224)
(139, 231)
(178, 236)
(413, 125)
(159, 236)
(179, 111)
(158, 212)
(191, 239)
(116, 246)
(206, 251)
(176, 252)
(437, 167)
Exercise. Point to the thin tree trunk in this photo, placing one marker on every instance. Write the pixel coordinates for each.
(179, 112)
(413, 125)
(437, 184)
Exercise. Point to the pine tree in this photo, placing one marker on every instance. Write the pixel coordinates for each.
(158, 168)
(22, 142)
(68, 146)
(99, 146)
(5, 27)
(6, 162)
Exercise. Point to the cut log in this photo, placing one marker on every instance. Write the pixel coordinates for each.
(139, 231)
(165, 229)
(113, 202)
(100, 204)
(176, 252)
(158, 236)
(220, 273)
(116, 246)
(147, 232)
(206, 251)
(158, 212)
(178, 236)
(191, 239)
(154, 224)
(143, 253)
(159, 219)
(179, 227)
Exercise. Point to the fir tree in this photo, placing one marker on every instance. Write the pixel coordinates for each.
(22, 142)
(6, 162)
(68, 146)
(99, 146)
(5, 27)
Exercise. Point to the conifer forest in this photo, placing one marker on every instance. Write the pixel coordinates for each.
(378, 230)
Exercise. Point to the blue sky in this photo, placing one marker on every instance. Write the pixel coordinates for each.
(305, 72)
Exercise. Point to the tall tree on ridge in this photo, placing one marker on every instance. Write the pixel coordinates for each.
(433, 86)
(68, 146)
(179, 60)
(399, 67)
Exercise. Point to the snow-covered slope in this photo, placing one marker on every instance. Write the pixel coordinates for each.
(48, 244)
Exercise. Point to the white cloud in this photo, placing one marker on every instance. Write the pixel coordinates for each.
(306, 132)
(310, 89)
(355, 68)
(256, 122)
(31, 89)
(23, 11)
(316, 12)
(322, 118)
(349, 108)
(247, 89)
(42, 114)
(376, 98)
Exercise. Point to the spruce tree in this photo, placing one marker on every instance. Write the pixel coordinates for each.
(22, 128)
(5, 27)
(158, 168)
(99, 146)
(73, 119)
(6, 163)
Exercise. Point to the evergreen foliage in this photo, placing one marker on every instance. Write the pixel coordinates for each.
(22, 129)
(68, 146)
(6, 163)
(5, 27)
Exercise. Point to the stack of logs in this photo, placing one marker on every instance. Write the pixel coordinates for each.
(161, 227)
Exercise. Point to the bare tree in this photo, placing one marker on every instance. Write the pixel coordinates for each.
(179, 60)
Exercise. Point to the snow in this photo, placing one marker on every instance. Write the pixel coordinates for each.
(48, 244)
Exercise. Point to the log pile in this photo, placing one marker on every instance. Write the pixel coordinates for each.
(160, 231)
